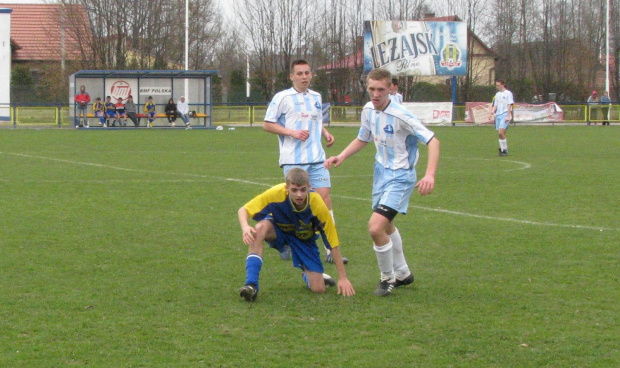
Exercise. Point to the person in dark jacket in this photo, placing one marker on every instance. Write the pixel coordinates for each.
(171, 112)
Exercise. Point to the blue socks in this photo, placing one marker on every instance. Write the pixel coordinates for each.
(253, 264)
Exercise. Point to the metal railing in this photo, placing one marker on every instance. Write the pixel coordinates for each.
(59, 115)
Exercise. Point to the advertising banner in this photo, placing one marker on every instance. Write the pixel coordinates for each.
(478, 113)
(431, 112)
(121, 88)
(416, 48)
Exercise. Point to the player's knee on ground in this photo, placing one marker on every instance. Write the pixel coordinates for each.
(316, 282)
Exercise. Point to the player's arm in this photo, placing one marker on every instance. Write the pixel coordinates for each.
(276, 128)
(247, 231)
(354, 147)
(427, 183)
(344, 285)
(328, 137)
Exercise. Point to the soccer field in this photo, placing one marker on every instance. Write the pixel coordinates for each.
(122, 249)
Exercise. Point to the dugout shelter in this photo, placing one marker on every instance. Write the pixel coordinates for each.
(160, 84)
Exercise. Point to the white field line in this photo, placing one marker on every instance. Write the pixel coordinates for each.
(450, 212)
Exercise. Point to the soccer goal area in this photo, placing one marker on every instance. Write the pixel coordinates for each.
(162, 85)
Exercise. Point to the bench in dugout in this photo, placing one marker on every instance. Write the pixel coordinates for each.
(110, 120)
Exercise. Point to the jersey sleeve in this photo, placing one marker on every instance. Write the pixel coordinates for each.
(365, 133)
(258, 203)
(423, 133)
(320, 210)
(274, 110)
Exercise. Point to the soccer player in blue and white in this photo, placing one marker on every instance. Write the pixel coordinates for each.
(502, 111)
(296, 116)
(290, 214)
(396, 133)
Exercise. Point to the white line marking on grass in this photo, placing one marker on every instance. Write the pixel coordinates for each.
(523, 165)
(457, 213)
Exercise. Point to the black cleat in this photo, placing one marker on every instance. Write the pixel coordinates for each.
(404, 282)
(248, 292)
(384, 288)
(330, 259)
(329, 281)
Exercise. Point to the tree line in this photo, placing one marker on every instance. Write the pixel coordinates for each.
(542, 46)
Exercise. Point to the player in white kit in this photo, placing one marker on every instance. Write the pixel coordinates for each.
(502, 112)
(396, 133)
(296, 116)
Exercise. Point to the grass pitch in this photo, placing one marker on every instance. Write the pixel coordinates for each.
(122, 249)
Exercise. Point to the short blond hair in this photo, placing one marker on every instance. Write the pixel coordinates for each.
(297, 176)
(380, 74)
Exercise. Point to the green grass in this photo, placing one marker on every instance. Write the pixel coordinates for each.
(122, 249)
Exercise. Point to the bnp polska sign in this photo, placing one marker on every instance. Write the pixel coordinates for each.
(416, 48)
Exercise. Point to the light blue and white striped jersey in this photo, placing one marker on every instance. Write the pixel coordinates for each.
(397, 97)
(502, 100)
(396, 133)
(298, 111)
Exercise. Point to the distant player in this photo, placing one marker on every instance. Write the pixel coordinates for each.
(395, 133)
(149, 109)
(394, 94)
(110, 111)
(290, 214)
(296, 116)
(502, 112)
(99, 111)
(120, 112)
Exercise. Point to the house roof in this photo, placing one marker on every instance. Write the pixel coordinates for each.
(36, 29)
(350, 62)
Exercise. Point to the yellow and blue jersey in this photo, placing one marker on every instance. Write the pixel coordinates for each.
(149, 107)
(98, 107)
(110, 108)
(303, 224)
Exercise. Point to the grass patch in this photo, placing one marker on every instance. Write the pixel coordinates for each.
(122, 248)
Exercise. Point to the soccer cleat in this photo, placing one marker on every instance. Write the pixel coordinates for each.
(330, 259)
(248, 292)
(329, 281)
(173, 124)
(384, 288)
(406, 281)
(285, 254)
(188, 126)
(503, 152)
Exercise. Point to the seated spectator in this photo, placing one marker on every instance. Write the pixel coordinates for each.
(183, 111)
(130, 110)
(149, 109)
(99, 111)
(171, 112)
(120, 112)
(110, 111)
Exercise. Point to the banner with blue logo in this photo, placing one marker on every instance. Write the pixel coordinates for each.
(416, 48)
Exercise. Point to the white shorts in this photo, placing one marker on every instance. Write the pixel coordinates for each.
(392, 188)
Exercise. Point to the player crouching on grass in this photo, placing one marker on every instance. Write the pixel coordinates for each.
(289, 213)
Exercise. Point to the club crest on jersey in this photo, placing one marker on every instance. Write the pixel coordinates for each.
(317, 105)
(389, 129)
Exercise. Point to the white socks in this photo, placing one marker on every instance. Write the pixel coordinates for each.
(401, 269)
(503, 144)
(385, 258)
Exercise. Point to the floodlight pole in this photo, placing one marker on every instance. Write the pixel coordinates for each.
(186, 46)
(607, 48)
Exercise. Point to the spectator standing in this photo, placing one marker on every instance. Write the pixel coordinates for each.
(171, 112)
(183, 111)
(593, 102)
(82, 99)
(131, 111)
(605, 103)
